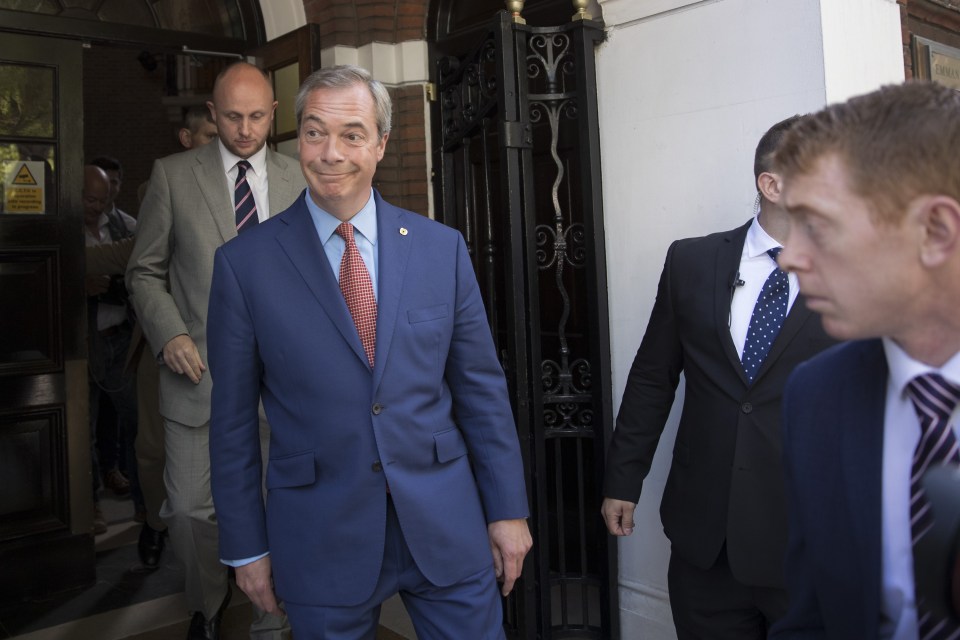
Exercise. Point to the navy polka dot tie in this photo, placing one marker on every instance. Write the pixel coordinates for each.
(767, 318)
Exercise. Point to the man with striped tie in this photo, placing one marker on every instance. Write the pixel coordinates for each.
(196, 201)
(872, 187)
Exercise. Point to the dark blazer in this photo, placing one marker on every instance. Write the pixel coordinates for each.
(432, 419)
(833, 453)
(726, 482)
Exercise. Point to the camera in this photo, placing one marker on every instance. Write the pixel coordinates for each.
(937, 553)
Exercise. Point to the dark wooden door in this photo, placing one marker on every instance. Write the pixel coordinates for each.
(46, 541)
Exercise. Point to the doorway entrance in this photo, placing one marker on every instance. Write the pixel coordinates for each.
(77, 79)
(45, 512)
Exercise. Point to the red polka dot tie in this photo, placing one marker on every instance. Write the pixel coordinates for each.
(357, 290)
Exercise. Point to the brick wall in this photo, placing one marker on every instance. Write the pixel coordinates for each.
(402, 174)
(123, 116)
(354, 23)
(937, 20)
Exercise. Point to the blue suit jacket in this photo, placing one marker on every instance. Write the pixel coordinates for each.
(432, 419)
(833, 414)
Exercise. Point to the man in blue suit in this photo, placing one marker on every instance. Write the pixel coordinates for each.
(394, 461)
(872, 187)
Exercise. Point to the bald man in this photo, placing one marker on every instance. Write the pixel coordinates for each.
(187, 212)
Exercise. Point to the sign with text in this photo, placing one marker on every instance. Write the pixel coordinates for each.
(23, 182)
(945, 69)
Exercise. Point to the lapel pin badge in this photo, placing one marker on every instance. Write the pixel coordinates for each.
(403, 231)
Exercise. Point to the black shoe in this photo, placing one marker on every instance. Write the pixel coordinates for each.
(203, 629)
(150, 546)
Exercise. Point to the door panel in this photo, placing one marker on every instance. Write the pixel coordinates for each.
(46, 503)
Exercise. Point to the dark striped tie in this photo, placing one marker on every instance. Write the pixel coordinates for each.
(934, 400)
(243, 203)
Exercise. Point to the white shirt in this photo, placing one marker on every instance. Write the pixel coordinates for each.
(109, 315)
(901, 432)
(256, 177)
(755, 267)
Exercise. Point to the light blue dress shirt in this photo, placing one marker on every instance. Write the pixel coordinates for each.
(365, 235)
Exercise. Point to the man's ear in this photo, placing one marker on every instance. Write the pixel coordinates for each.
(939, 221)
(769, 186)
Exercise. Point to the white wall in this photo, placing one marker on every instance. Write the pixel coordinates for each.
(686, 89)
(282, 16)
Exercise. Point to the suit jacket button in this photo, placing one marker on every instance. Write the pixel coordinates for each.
(746, 407)
(376, 408)
(376, 467)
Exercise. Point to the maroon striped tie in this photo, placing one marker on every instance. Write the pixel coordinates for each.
(934, 400)
(357, 290)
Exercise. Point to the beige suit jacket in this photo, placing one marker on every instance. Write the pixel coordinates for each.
(186, 214)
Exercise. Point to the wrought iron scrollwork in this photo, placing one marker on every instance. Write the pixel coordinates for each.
(566, 384)
(469, 90)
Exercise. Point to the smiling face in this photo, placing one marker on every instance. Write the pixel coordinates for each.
(242, 108)
(859, 275)
(340, 148)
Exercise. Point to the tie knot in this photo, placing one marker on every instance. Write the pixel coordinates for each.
(345, 231)
(773, 253)
(242, 167)
(933, 396)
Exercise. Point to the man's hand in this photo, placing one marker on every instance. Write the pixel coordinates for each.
(509, 541)
(95, 285)
(256, 580)
(181, 356)
(618, 514)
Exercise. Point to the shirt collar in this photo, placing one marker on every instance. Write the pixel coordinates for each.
(903, 368)
(364, 221)
(258, 161)
(758, 241)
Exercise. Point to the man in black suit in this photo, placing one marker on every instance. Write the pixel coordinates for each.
(723, 507)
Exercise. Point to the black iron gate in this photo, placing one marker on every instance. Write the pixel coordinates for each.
(517, 169)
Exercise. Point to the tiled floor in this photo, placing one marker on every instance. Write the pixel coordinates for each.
(128, 602)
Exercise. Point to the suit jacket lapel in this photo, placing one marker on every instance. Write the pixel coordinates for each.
(860, 422)
(727, 268)
(213, 186)
(394, 248)
(798, 316)
(302, 245)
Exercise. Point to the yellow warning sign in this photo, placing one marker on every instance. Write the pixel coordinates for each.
(24, 176)
(22, 192)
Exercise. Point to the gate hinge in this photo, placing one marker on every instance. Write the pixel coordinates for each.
(516, 135)
(431, 90)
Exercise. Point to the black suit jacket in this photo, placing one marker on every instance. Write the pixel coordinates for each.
(726, 480)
